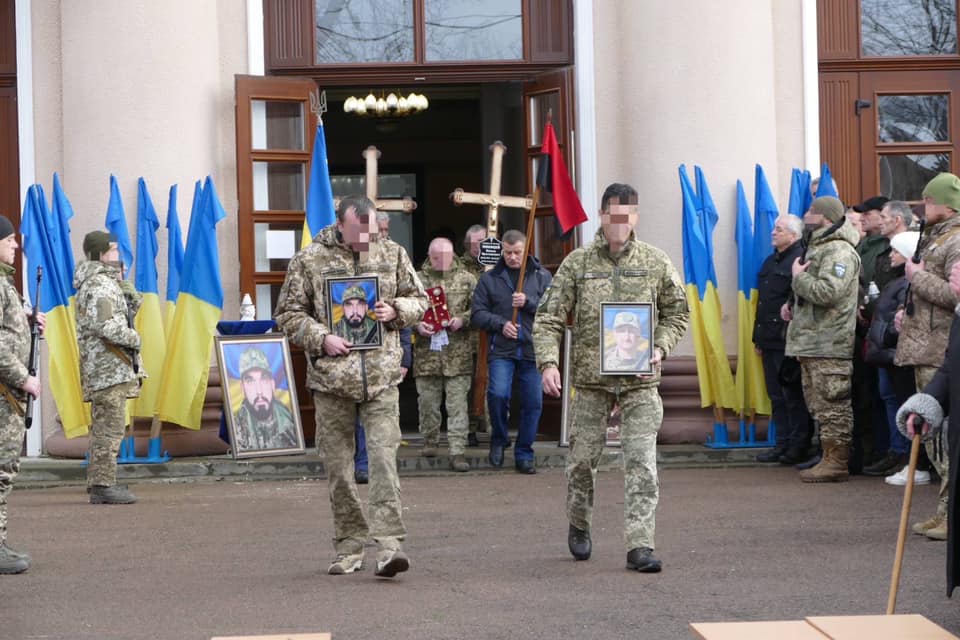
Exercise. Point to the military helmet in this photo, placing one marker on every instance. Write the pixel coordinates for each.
(626, 319)
(254, 358)
(354, 292)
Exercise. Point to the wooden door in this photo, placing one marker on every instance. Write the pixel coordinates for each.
(548, 93)
(275, 131)
(909, 132)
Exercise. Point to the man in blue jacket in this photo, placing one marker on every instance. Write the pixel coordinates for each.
(510, 346)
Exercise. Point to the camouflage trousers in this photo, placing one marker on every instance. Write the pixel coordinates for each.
(380, 416)
(430, 390)
(937, 449)
(11, 442)
(108, 413)
(826, 388)
(642, 413)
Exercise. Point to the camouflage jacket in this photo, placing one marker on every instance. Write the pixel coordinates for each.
(279, 431)
(590, 276)
(456, 358)
(923, 338)
(107, 343)
(470, 263)
(302, 308)
(14, 335)
(825, 313)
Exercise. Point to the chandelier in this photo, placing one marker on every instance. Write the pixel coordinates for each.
(390, 106)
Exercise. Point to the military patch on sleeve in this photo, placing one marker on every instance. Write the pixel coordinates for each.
(839, 269)
(104, 309)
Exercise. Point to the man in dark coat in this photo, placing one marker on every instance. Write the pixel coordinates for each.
(774, 280)
(929, 410)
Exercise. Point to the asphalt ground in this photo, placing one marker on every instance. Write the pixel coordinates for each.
(489, 560)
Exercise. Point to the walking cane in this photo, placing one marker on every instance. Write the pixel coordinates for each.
(904, 517)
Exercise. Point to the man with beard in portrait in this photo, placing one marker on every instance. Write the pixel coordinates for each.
(261, 422)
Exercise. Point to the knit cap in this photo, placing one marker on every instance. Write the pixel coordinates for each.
(944, 189)
(829, 207)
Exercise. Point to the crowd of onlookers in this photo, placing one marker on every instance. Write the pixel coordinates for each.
(870, 285)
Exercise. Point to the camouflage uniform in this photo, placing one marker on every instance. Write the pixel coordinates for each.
(107, 345)
(449, 368)
(587, 277)
(279, 431)
(923, 338)
(14, 354)
(363, 383)
(470, 263)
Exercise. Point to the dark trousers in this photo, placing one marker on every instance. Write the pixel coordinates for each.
(360, 461)
(789, 408)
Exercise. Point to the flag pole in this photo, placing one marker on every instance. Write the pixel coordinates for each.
(526, 248)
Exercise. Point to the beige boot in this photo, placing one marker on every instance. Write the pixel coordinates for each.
(832, 467)
(939, 532)
(921, 528)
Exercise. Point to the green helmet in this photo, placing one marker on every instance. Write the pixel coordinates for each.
(354, 292)
(254, 358)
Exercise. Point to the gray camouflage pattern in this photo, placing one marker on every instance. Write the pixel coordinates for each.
(826, 387)
(923, 339)
(107, 408)
(642, 413)
(301, 313)
(430, 390)
(335, 417)
(825, 313)
(455, 358)
(14, 353)
(589, 276)
(102, 321)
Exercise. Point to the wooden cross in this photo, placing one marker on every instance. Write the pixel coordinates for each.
(406, 204)
(493, 200)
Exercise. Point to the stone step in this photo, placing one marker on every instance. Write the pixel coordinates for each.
(41, 472)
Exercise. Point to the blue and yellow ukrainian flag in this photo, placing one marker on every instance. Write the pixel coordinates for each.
(320, 212)
(149, 322)
(116, 224)
(750, 384)
(825, 187)
(800, 196)
(713, 368)
(40, 230)
(199, 307)
(175, 254)
(62, 213)
(765, 214)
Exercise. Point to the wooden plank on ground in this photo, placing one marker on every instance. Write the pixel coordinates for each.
(780, 629)
(898, 627)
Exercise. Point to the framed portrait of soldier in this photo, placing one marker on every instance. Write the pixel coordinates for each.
(350, 302)
(259, 396)
(626, 338)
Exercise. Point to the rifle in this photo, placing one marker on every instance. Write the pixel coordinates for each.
(908, 308)
(34, 351)
(131, 316)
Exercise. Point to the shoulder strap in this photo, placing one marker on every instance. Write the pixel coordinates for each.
(939, 240)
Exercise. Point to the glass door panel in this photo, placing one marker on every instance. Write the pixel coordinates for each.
(903, 176)
(277, 124)
(279, 186)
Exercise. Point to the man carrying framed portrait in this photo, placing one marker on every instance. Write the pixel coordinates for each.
(615, 283)
(351, 380)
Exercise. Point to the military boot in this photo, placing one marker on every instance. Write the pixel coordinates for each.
(115, 494)
(429, 449)
(832, 467)
(12, 561)
(939, 532)
(459, 463)
(921, 528)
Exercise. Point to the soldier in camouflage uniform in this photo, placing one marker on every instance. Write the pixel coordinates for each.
(445, 365)
(262, 422)
(615, 267)
(925, 332)
(347, 383)
(821, 331)
(108, 346)
(15, 383)
(468, 260)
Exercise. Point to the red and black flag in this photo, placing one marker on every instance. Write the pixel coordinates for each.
(552, 176)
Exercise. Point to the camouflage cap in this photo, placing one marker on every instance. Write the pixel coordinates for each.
(96, 243)
(354, 292)
(626, 319)
(254, 358)
(829, 207)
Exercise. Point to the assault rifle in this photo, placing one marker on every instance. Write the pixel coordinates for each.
(34, 351)
(908, 308)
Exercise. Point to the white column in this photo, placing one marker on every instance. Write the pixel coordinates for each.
(811, 87)
(586, 135)
(27, 162)
(255, 64)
